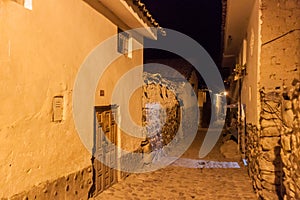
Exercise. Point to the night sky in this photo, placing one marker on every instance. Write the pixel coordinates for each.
(199, 19)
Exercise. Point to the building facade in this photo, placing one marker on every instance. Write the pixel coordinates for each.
(42, 47)
(261, 47)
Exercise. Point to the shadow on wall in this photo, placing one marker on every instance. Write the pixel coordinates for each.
(279, 174)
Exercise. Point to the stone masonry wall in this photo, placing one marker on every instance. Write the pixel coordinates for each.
(290, 152)
(272, 144)
(73, 186)
(273, 152)
(263, 149)
(161, 113)
(252, 153)
(270, 164)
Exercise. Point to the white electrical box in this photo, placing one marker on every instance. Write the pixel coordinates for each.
(58, 108)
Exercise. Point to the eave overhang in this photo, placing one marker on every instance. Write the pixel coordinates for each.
(135, 15)
(236, 16)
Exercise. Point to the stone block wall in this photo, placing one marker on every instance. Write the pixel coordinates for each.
(290, 142)
(273, 151)
(263, 149)
(270, 164)
(161, 115)
(272, 143)
(252, 153)
(73, 186)
(161, 112)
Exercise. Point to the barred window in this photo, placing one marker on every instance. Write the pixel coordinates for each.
(123, 42)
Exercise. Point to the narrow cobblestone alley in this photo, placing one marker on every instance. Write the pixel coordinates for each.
(111, 100)
(177, 182)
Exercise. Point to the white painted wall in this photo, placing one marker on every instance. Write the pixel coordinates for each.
(250, 89)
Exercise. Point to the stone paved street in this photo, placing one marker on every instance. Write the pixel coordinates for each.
(176, 182)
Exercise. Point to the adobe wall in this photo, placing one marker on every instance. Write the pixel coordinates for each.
(280, 53)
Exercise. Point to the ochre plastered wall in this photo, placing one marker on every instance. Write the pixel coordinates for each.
(109, 81)
(41, 52)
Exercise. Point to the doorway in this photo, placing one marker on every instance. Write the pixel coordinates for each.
(104, 149)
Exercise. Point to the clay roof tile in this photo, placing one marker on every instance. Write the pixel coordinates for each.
(141, 9)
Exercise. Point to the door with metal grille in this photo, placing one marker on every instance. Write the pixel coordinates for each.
(104, 148)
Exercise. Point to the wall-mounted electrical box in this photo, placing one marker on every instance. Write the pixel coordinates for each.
(58, 108)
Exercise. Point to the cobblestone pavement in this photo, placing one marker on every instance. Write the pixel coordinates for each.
(174, 182)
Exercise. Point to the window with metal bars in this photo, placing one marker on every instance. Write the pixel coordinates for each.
(123, 42)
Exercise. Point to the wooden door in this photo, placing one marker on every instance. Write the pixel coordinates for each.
(105, 149)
